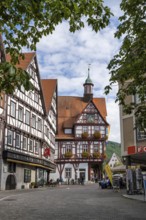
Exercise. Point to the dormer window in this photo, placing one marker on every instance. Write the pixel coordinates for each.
(68, 130)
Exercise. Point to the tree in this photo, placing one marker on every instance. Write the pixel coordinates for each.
(128, 67)
(24, 22)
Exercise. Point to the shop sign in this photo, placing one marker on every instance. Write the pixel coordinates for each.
(141, 149)
(136, 149)
(131, 150)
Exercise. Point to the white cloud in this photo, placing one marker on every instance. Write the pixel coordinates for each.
(65, 56)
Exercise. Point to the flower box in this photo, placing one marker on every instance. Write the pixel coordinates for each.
(96, 155)
(68, 154)
(85, 135)
(97, 135)
(85, 154)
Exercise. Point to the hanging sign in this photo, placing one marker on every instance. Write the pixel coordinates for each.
(46, 152)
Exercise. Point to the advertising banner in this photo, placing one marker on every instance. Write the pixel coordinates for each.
(109, 173)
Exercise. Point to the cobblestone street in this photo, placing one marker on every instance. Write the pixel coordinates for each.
(87, 202)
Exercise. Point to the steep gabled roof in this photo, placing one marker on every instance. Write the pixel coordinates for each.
(48, 88)
(23, 63)
(69, 109)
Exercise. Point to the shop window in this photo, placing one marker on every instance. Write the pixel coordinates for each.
(27, 175)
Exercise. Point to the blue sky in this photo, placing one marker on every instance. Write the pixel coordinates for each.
(65, 56)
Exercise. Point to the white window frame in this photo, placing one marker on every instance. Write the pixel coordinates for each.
(39, 127)
(36, 150)
(33, 121)
(13, 109)
(20, 113)
(10, 134)
(27, 117)
(31, 141)
(24, 146)
(17, 141)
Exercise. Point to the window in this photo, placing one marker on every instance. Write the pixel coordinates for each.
(31, 145)
(141, 134)
(68, 173)
(68, 131)
(39, 124)
(27, 117)
(27, 175)
(85, 147)
(9, 137)
(68, 148)
(13, 109)
(33, 121)
(85, 129)
(36, 97)
(11, 167)
(24, 143)
(96, 148)
(37, 147)
(17, 142)
(20, 113)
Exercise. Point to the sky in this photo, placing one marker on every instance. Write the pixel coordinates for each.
(65, 56)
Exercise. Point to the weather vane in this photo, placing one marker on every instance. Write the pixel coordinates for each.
(89, 68)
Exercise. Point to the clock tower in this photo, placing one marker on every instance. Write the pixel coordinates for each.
(88, 88)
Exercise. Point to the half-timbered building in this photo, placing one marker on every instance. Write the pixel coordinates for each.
(81, 137)
(29, 134)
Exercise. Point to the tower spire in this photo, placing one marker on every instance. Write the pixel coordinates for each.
(88, 86)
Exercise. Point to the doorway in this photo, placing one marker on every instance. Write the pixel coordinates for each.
(11, 182)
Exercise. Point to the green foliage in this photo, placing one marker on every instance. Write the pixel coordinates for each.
(85, 154)
(113, 147)
(128, 67)
(24, 22)
(12, 77)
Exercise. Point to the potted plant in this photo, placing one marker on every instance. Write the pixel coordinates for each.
(85, 154)
(96, 155)
(32, 185)
(85, 135)
(68, 154)
(97, 135)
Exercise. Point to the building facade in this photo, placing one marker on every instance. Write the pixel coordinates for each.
(114, 160)
(133, 139)
(81, 136)
(28, 143)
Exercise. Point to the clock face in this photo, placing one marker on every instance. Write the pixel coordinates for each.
(90, 118)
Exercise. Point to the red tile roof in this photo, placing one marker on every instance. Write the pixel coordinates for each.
(69, 109)
(23, 63)
(48, 88)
